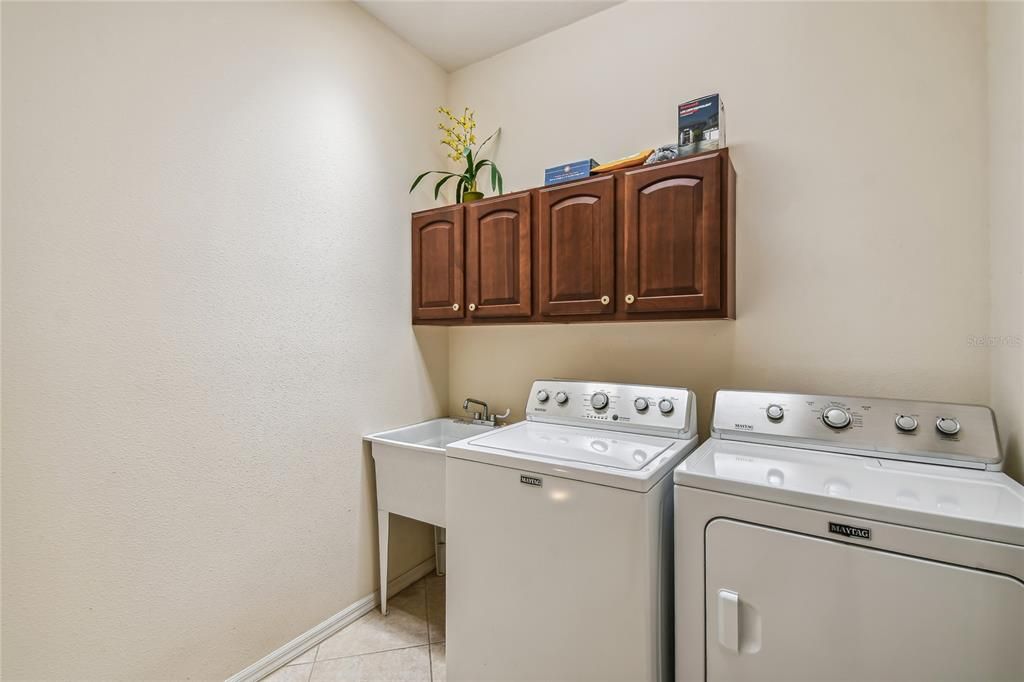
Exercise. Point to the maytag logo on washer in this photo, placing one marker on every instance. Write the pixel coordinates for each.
(531, 480)
(849, 531)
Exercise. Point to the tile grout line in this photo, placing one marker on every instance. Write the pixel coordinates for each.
(427, 644)
(370, 653)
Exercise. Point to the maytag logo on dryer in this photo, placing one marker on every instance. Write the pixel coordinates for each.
(849, 531)
(743, 427)
(531, 480)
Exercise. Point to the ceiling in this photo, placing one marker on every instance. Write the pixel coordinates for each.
(454, 34)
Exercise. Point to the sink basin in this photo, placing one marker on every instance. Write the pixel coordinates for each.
(431, 436)
(409, 463)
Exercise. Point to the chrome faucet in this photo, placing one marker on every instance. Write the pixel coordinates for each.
(484, 417)
(476, 415)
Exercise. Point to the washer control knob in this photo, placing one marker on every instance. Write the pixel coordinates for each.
(775, 412)
(947, 426)
(666, 406)
(641, 404)
(906, 423)
(561, 398)
(836, 417)
(599, 400)
(542, 396)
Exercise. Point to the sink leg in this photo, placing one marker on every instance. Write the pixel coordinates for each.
(383, 522)
(440, 553)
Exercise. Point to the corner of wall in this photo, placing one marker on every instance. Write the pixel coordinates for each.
(1005, 74)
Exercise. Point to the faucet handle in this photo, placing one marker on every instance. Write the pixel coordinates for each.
(503, 415)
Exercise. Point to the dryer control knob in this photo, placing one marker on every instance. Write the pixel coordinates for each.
(836, 417)
(641, 404)
(561, 398)
(542, 396)
(947, 425)
(599, 400)
(666, 406)
(906, 422)
(775, 412)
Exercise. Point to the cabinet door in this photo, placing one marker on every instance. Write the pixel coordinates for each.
(498, 257)
(437, 262)
(672, 237)
(576, 249)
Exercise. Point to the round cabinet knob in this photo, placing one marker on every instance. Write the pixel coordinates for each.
(947, 425)
(605, 300)
(775, 412)
(542, 396)
(666, 406)
(455, 307)
(561, 398)
(599, 400)
(472, 307)
(836, 417)
(906, 423)
(630, 298)
(641, 404)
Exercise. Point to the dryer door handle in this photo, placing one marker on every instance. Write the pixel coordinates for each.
(729, 620)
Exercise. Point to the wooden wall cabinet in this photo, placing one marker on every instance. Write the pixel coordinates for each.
(437, 264)
(671, 234)
(499, 257)
(650, 243)
(576, 248)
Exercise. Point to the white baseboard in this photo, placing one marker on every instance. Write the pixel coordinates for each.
(318, 633)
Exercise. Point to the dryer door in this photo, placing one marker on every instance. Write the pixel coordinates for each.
(785, 606)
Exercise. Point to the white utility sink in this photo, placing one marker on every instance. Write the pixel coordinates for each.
(409, 463)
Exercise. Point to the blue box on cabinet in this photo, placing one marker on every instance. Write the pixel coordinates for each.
(568, 171)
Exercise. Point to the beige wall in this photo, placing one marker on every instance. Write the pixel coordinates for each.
(1006, 192)
(858, 134)
(205, 305)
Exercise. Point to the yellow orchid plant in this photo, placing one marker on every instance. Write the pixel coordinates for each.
(459, 137)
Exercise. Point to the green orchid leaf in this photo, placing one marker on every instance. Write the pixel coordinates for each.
(418, 178)
(460, 189)
(497, 184)
(490, 137)
(423, 175)
(437, 187)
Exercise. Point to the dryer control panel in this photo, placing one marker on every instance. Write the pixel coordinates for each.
(655, 410)
(937, 433)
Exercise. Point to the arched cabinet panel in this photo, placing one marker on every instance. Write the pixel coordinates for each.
(437, 264)
(498, 257)
(576, 248)
(672, 237)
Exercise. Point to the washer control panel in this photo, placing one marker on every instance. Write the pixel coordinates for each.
(659, 410)
(938, 433)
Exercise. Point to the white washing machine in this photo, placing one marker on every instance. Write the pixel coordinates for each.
(560, 536)
(837, 538)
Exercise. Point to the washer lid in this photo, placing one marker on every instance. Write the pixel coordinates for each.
(944, 498)
(614, 449)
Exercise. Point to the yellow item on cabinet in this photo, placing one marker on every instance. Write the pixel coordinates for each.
(627, 162)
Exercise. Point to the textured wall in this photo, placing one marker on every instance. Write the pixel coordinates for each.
(206, 286)
(858, 134)
(1005, 339)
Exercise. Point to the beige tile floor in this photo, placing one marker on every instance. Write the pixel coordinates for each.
(407, 645)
